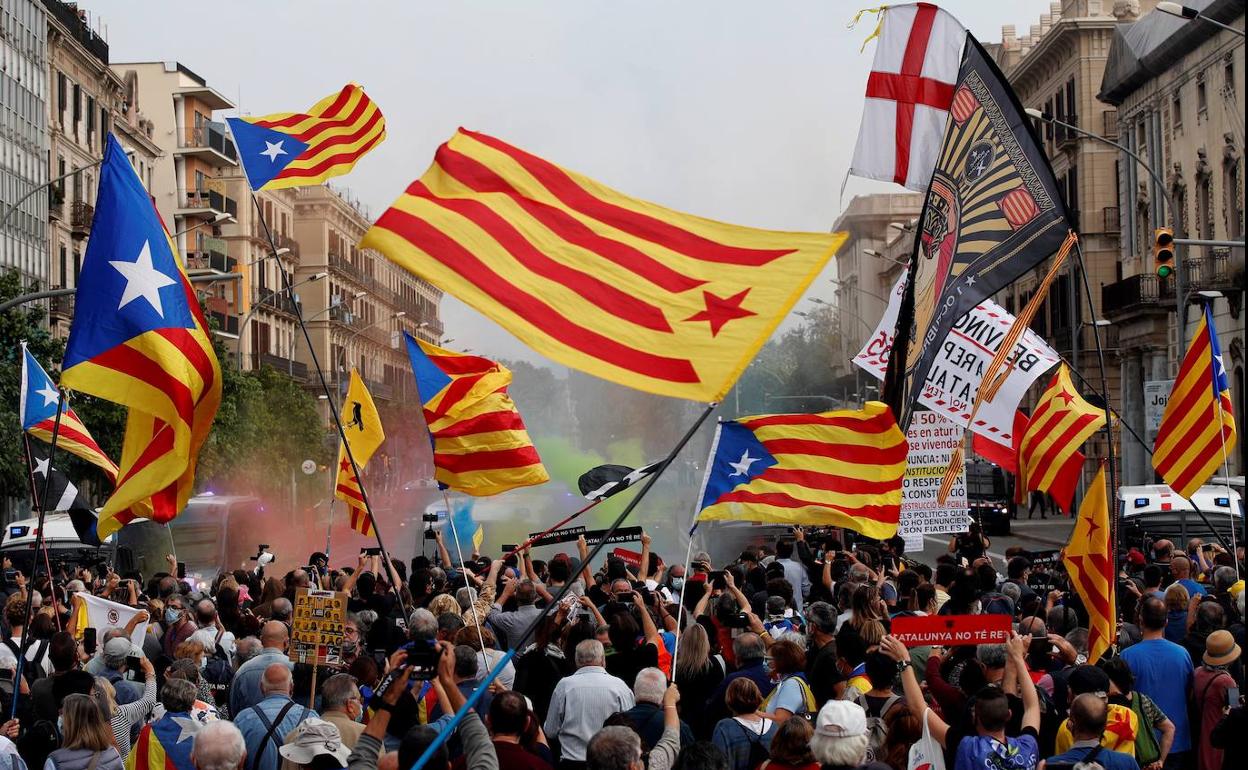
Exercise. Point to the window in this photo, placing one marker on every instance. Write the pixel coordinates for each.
(1202, 101)
(1228, 80)
(104, 123)
(64, 264)
(1176, 109)
(1048, 127)
(77, 106)
(61, 85)
(1071, 110)
(90, 121)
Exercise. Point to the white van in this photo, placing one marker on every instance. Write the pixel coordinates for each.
(122, 550)
(1156, 511)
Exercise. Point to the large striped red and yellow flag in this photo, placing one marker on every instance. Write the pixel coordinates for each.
(1091, 568)
(1051, 451)
(294, 149)
(140, 340)
(626, 290)
(480, 445)
(1197, 431)
(362, 426)
(843, 469)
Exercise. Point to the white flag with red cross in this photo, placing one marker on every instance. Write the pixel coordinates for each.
(909, 93)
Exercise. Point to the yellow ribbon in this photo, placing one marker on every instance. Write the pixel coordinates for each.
(879, 25)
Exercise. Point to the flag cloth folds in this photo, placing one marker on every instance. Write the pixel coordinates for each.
(909, 92)
(38, 410)
(104, 615)
(617, 287)
(295, 149)
(1051, 452)
(63, 495)
(993, 211)
(139, 339)
(466, 532)
(1198, 427)
(480, 445)
(603, 481)
(1091, 568)
(843, 469)
(165, 744)
(362, 426)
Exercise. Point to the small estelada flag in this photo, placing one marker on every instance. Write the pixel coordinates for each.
(362, 427)
(909, 91)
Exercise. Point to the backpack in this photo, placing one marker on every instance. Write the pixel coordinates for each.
(37, 742)
(877, 731)
(758, 752)
(32, 670)
(809, 706)
(1147, 750)
(218, 673)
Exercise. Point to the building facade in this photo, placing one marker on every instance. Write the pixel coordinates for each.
(358, 310)
(24, 139)
(1178, 87)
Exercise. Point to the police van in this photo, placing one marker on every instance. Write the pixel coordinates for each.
(1155, 511)
(139, 546)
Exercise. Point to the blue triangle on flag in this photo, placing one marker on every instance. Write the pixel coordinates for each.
(264, 152)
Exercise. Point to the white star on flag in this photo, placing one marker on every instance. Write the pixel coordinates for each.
(50, 396)
(41, 466)
(188, 728)
(142, 280)
(273, 149)
(742, 467)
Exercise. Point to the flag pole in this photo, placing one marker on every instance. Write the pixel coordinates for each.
(518, 644)
(1226, 470)
(39, 543)
(548, 530)
(30, 475)
(288, 289)
(463, 566)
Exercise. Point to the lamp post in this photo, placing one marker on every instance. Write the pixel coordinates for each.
(858, 288)
(8, 211)
(238, 347)
(885, 257)
(295, 346)
(1180, 300)
(342, 362)
(1184, 12)
(22, 299)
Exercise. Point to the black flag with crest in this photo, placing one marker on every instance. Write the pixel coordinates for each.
(993, 211)
(63, 494)
(603, 481)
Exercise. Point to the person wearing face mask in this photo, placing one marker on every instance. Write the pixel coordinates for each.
(343, 707)
(177, 625)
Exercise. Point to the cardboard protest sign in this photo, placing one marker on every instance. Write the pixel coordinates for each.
(932, 440)
(317, 627)
(951, 630)
(631, 558)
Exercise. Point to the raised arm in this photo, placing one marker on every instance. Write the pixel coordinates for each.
(644, 570)
(893, 648)
(648, 630)
(1017, 647)
(443, 554)
(582, 548)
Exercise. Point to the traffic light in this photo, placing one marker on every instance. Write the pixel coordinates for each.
(1163, 251)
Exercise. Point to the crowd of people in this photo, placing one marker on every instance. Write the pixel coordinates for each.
(782, 659)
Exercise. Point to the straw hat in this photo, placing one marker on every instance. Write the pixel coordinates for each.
(1220, 649)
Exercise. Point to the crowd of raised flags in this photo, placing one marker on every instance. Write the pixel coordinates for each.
(648, 297)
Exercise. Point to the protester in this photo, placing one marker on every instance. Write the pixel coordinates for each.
(1163, 671)
(745, 736)
(86, 738)
(265, 724)
(582, 702)
(1087, 724)
(1211, 683)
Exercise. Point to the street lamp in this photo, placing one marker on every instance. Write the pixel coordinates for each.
(904, 227)
(878, 255)
(283, 251)
(8, 211)
(238, 346)
(838, 311)
(858, 288)
(1184, 12)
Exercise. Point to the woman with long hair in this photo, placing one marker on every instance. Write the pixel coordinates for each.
(792, 695)
(86, 737)
(904, 730)
(123, 718)
(698, 673)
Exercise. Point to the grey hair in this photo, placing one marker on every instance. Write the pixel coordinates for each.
(822, 616)
(748, 646)
(364, 620)
(422, 625)
(465, 596)
(589, 652)
(832, 751)
(793, 636)
(245, 649)
(649, 686)
(613, 748)
(178, 695)
(859, 573)
(991, 655)
(701, 556)
(1012, 590)
(1078, 638)
(218, 746)
(1223, 578)
(337, 690)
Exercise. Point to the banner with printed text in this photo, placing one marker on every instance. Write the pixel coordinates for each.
(932, 440)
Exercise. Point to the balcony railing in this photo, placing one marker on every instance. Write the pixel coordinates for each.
(223, 322)
(1213, 272)
(62, 306)
(56, 201)
(286, 242)
(211, 260)
(210, 136)
(279, 301)
(210, 199)
(80, 215)
(1064, 134)
(1137, 293)
(295, 369)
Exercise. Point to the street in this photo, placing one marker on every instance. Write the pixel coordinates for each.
(1036, 534)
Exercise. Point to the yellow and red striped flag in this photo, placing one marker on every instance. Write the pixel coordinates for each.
(139, 339)
(623, 289)
(1198, 427)
(1050, 454)
(295, 149)
(843, 469)
(362, 426)
(480, 445)
(1090, 566)
(38, 407)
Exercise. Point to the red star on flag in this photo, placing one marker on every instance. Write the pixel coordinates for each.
(721, 310)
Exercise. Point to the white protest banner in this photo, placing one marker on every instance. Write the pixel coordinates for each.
(956, 373)
(103, 615)
(932, 440)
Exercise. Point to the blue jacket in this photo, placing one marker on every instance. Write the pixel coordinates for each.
(254, 728)
(1110, 760)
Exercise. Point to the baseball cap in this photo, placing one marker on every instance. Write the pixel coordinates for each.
(841, 719)
(315, 738)
(117, 649)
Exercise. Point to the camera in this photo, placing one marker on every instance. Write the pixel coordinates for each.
(429, 518)
(738, 620)
(374, 551)
(422, 656)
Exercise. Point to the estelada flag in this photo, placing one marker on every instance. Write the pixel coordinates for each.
(909, 92)
(1051, 453)
(1090, 566)
(164, 743)
(39, 401)
(993, 211)
(362, 426)
(140, 340)
(842, 469)
(1197, 429)
(480, 445)
(294, 149)
(623, 289)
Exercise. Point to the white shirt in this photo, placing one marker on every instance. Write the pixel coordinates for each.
(33, 650)
(579, 706)
(207, 636)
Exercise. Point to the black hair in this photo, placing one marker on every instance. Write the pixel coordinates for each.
(881, 670)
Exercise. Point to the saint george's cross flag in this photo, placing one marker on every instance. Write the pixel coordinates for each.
(909, 92)
(362, 426)
(623, 289)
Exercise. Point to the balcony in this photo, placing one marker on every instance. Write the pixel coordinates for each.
(286, 242)
(1213, 272)
(208, 142)
(1142, 293)
(277, 301)
(207, 204)
(344, 267)
(223, 323)
(1060, 339)
(379, 389)
(211, 260)
(80, 215)
(1063, 135)
(295, 369)
(61, 307)
(1109, 124)
(56, 202)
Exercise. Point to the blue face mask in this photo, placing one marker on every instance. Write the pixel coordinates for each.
(678, 583)
(172, 615)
